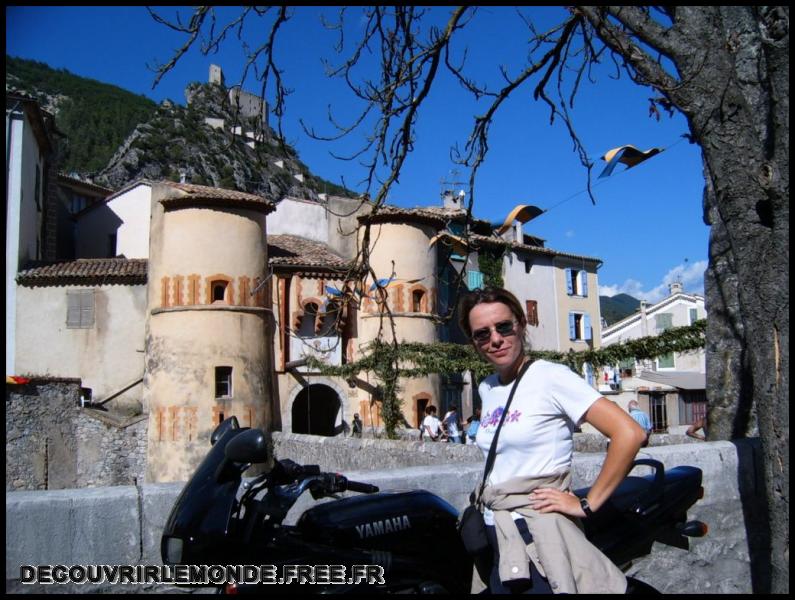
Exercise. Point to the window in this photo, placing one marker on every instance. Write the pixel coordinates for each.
(78, 203)
(112, 245)
(80, 309)
(532, 312)
(693, 315)
(219, 291)
(528, 265)
(692, 406)
(309, 323)
(417, 297)
(658, 413)
(576, 282)
(223, 382)
(580, 327)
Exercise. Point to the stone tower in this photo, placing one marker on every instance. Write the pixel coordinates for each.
(216, 75)
(400, 240)
(209, 342)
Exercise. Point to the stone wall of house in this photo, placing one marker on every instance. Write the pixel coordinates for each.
(54, 443)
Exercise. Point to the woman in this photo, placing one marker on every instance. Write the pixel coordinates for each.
(527, 497)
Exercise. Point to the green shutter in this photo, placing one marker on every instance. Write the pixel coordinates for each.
(666, 361)
(664, 321)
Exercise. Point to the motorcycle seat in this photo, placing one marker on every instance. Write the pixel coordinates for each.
(629, 491)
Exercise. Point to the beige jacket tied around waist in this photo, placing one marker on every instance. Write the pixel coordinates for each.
(560, 550)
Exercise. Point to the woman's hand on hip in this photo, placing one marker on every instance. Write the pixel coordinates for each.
(547, 500)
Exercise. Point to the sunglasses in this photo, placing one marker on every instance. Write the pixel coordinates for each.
(504, 328)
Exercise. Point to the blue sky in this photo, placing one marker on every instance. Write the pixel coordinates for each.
(646, 227)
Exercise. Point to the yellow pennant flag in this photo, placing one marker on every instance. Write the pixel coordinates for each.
(522, 213)
(628, 155)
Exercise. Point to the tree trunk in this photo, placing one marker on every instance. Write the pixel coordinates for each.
(735, 94)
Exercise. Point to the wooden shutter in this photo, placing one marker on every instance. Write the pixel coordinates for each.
(584, 276)
(73, 309)
(569, 286)
(80, 309)
(532, 312)
(572, 327)
(87, 309)
(693, 315)
(587, 334)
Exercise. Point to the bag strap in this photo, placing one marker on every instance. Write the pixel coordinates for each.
(493, 449)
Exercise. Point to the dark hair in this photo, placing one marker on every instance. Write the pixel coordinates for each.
(430, 409)
(487, 295)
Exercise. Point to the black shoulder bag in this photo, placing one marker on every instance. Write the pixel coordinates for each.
(471, 526)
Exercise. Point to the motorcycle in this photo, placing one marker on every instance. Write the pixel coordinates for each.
(382, 542)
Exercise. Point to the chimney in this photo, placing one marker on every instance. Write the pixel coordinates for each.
(518, 233)
(451, 200)
(644, 326)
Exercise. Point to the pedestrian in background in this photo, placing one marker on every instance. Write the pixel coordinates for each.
(431, 425)
(451, 425)
(641, 418)
(473, 423)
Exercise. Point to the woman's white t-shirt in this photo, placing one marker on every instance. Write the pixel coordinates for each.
(537, 436)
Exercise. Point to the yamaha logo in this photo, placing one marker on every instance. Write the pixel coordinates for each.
(375, 528)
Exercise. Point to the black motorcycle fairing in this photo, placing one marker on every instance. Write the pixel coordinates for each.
(202, 513)
(411, 522)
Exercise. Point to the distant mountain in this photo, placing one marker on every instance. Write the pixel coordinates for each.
(617, 307)
(179, 141)
(95, 117)
(114, 137)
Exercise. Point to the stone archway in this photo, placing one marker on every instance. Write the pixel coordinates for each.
(316, 410)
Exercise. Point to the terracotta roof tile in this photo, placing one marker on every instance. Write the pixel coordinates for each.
(189, 192)
(86, 271)
(491, 241)
(294, 251)
(434, 215)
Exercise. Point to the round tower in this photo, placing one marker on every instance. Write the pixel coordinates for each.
(208, 339)
(399, 248)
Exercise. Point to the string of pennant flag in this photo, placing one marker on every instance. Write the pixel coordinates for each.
(628, 155)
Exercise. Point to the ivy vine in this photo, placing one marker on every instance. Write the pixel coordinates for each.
(389, 362)
(490, 264)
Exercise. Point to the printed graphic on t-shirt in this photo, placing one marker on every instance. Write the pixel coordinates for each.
(492, 419)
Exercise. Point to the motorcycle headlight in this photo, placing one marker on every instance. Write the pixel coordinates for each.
(172, 550)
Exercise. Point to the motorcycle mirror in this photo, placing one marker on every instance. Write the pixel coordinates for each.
(226, 425)
(252, 446)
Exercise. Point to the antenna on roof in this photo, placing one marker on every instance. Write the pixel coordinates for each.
(452, 197)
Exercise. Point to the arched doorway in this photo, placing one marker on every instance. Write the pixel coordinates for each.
(315, 410)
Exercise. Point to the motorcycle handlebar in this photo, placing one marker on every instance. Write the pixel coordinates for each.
(365, 488)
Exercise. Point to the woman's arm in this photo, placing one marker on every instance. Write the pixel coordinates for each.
(626, 437)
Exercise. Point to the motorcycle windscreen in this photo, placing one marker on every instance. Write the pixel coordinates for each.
(199, 521)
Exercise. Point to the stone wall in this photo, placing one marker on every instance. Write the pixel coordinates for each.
(53, 443)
